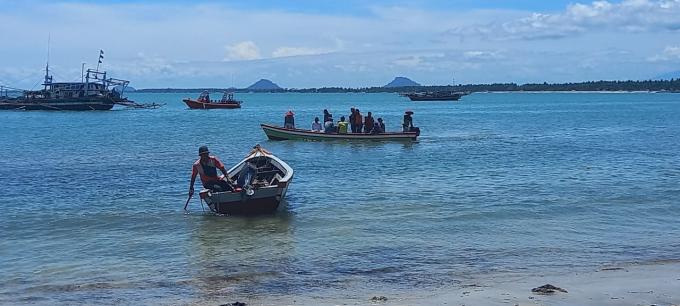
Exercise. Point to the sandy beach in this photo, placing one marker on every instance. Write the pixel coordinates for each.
(633, 284)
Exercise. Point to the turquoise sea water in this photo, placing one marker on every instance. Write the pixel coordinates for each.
(91, 202)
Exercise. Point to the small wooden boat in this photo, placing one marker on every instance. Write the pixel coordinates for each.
(264, 179)
(204, 102)
(280, 133)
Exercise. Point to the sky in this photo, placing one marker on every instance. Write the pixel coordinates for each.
(351, 43)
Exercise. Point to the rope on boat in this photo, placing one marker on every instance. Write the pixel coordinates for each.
(258, 148)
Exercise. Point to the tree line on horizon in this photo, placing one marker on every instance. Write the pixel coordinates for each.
(630, 85)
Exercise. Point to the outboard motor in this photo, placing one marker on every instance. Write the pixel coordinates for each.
(245, 178)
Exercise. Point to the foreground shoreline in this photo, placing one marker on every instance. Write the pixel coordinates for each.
(656, 283)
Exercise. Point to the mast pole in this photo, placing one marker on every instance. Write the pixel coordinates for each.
(47, 66)
(82, 73)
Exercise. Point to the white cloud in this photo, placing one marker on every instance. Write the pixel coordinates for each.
(143, 65)
(482, 55)
(670, 53)
(165, 46)
(626, 16)
(297, 51)
(245, 50)
(409, 61)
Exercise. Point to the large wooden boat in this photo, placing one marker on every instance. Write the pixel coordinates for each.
(204, 102)
(264, 179)
(280, 133)
(95, 92)
(435, 96)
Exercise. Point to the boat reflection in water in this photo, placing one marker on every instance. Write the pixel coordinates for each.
(241, 256)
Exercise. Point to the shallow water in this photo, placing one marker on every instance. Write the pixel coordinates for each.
(92, 201)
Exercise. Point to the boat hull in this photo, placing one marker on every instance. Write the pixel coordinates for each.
(279, 133)
(454, 97)
(451, 98)
(193, 104)
(263, 201)
(59, 105)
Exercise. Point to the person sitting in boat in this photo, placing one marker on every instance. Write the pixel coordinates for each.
(204, 97)
(329, 126)
(316, 125)
(206, 166)
(289, 120)
(327, 116)
(368, 123)
(342, 125)
(381, 124)
(376, 128)
(408, 121)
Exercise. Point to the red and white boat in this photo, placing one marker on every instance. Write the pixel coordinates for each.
(204, 102)
(264, 179)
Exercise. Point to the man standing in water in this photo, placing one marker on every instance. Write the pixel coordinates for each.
(206, 166)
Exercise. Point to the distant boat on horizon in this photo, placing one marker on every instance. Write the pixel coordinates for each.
(435, 95)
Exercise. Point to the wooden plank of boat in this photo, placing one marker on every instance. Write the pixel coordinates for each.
(269, 185)
(193, 104)
(279, 133)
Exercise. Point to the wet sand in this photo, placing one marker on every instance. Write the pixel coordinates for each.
(634, 284)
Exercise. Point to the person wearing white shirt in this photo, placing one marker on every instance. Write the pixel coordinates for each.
(316, 125)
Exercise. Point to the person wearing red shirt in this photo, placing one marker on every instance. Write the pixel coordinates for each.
(206, 166)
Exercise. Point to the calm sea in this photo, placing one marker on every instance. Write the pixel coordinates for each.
(91, 202)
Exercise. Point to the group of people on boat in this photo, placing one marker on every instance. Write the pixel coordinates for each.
(227, 98)
(357, 124)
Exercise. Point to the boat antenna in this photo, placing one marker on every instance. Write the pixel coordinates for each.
(101, 58)
(47, 66)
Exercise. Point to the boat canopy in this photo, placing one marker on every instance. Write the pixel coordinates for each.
(204, 97)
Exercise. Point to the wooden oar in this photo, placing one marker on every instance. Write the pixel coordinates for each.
(187, 203)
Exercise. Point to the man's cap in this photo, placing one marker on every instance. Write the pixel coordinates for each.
(203, 150)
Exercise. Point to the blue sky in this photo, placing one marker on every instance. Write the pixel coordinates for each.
(340, 43)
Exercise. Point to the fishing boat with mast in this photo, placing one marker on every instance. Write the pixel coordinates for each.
(95, 91)
(441, 95)
(435, 95)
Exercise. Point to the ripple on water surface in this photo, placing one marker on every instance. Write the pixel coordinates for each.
(497, 183)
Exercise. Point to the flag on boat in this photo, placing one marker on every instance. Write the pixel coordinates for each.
(101, 56)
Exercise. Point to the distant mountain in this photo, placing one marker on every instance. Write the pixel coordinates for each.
(401, 82)
(127, 89)
(264, 84)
